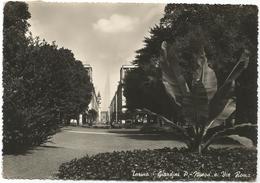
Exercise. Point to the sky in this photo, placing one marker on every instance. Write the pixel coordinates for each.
(104, 35)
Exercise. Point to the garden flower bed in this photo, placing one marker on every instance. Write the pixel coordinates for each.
(237, 164)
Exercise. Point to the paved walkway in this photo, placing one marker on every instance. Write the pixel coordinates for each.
(75, 142)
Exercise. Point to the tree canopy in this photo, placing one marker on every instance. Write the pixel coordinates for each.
(43, 85)
(223, 30)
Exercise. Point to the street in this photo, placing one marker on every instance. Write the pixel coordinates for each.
(75, 142)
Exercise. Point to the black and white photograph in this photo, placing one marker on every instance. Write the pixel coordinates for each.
(124, 91)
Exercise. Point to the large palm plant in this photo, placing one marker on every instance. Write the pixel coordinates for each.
(204, 105)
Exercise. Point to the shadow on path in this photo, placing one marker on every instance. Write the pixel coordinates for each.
(27, 151)
(127, 131)
(152, 137)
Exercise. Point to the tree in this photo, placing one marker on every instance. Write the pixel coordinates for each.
(15, 46)
(223, 31)
(226, 31)
(92, 116)
(141, 92)
(43, 85)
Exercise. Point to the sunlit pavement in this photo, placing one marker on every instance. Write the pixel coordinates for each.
(75, 142)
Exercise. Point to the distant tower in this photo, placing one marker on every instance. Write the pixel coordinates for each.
(106, 98)
(107, 92)
(99, 110)
(99, 98)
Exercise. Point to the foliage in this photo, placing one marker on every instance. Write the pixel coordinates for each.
(224, 31)
(138, 93)
(203, 39)
(92, 115)
(43, 85)
(163, 164)
(202, 103)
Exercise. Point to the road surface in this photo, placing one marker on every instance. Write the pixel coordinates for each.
(75, 142)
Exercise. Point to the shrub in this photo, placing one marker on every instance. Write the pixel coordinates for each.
(163, 164)
(43, 85)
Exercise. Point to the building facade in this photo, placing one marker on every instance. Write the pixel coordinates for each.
(117, 106)
(92, 115)
(88, 68)
(104, 117)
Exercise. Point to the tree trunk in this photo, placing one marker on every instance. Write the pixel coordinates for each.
(77, 119)
(196, 144)
(195, 147)
(67, 121)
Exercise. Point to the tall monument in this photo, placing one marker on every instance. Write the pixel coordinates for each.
(106, 98)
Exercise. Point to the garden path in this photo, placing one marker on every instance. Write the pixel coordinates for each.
(75, 142)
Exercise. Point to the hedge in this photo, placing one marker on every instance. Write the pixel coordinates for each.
(236, 164)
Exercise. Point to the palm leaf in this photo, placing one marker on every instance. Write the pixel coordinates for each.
(178, 127)
(172, 78)
(195, 107)
(238, 69)
(225, 114)
(247, 142)
(223, 94)
(209, 79)
(204, 86)
(219, 131)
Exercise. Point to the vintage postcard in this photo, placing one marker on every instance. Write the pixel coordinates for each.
(129, 91)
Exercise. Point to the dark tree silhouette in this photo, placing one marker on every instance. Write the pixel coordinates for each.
(43, 85)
